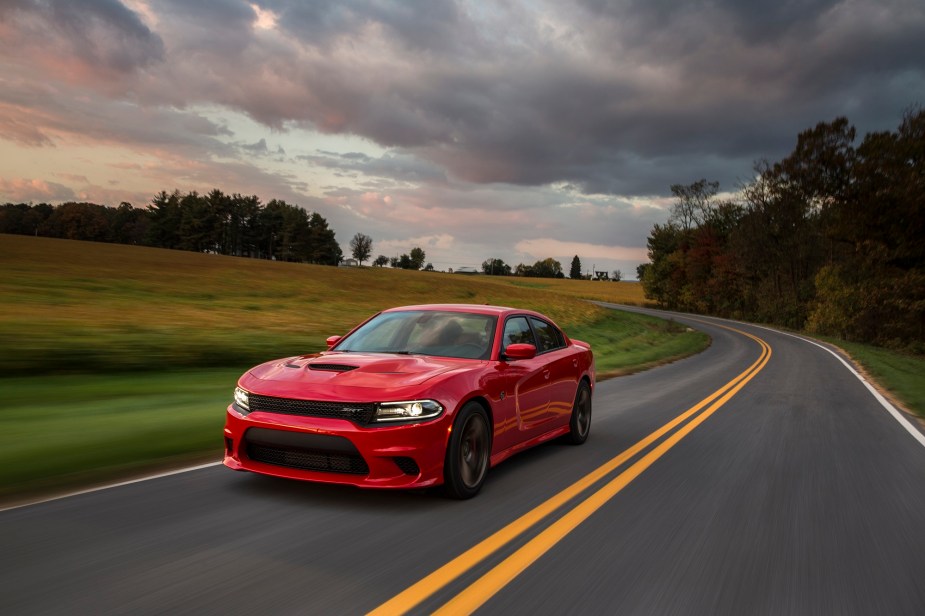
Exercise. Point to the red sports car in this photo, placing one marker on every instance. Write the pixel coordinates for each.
(413, 397)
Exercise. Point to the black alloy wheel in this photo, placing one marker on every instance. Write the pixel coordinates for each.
(580, 422)
(467, 456)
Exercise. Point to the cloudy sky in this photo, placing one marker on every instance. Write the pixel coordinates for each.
(522, 129)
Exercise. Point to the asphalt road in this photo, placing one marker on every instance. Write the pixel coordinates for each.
(797, 493)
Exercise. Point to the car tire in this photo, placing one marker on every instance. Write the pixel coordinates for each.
(580, 422)
(468, 453)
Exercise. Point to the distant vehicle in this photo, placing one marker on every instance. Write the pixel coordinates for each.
(466, 270)
(415, 396)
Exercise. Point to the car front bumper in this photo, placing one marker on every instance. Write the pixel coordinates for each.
(327, 450)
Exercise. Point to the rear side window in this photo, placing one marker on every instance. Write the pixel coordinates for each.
(517, 331)
(548, 337)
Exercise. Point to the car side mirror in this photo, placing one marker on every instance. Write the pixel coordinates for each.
(520, 351)
(332, 340)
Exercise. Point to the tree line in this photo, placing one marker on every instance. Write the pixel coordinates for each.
(216, 223)
(830, 239)
(544, 268)
(361, 248)
(219, 223)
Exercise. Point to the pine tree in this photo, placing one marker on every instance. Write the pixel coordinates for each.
(575, 271)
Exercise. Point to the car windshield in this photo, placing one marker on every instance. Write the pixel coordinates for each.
(424, 332)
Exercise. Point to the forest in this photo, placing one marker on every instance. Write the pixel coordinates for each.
(216, 223)
(831, 239)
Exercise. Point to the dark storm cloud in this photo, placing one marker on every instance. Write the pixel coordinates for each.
(205, 33)
(617, 97)
(419, 25)
(394, 166)
(621, 98)
(755, 19)
(100, 33)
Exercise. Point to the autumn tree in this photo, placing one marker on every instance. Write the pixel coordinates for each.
(79, 221)
(828, 238)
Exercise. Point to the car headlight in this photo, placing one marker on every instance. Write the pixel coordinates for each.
(241, 399)
(408, 410)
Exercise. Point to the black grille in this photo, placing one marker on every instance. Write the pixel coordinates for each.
(407, 465)
(308, 460)
(360, 412)
(332, 367)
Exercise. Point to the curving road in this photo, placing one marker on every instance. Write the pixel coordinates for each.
(772, 482)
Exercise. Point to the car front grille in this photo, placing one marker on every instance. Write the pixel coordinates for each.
(308, 460)
(360, 412)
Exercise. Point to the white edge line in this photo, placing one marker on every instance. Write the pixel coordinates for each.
(897, 415)
(111, 485)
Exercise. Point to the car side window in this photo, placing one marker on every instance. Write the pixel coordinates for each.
(547, 336)
(517, 331)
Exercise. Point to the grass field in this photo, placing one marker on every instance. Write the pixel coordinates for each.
(121, 359)
(67, 431)
(78, 306)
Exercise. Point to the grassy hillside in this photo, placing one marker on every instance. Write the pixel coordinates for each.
(78, 306)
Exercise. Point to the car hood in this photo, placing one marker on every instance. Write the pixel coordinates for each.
(349, 376)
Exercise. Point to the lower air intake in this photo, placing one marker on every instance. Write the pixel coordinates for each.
(307, 460)
(407, 465)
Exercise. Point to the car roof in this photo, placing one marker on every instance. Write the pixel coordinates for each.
(472, 308)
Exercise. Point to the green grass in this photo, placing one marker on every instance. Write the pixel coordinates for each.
(121, 359)
(66, 431)
(628, 342)
(903, 376)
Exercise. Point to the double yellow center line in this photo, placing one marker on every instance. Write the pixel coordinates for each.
(480, 591)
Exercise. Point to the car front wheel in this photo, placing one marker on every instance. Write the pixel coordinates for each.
(468, 452)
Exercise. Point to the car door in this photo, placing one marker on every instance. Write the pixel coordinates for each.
(529, 378)
(562, 367)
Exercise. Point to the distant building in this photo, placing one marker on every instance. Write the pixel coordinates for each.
(348, 263)
(466, 270)
(601, 276)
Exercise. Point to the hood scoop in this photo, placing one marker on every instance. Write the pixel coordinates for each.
(332, 367)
